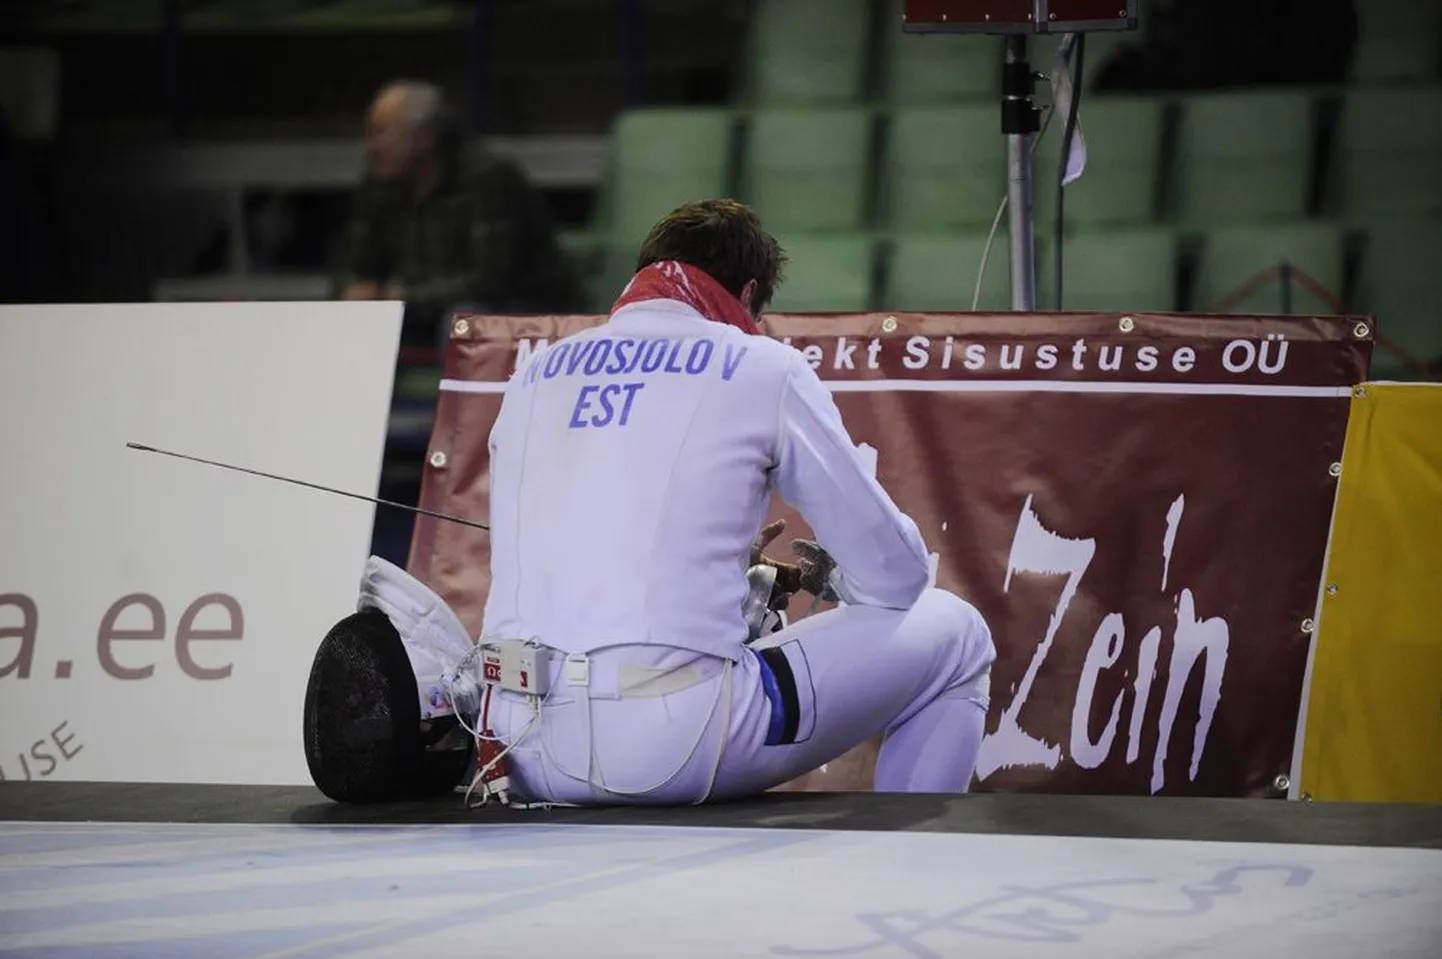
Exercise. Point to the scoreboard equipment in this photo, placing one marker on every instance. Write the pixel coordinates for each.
(1018, 16)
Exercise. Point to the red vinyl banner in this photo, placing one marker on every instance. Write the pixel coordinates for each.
(1139, 505)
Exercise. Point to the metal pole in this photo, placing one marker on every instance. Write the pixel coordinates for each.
(1020, 120)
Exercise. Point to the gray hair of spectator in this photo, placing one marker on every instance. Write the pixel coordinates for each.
(421, 103)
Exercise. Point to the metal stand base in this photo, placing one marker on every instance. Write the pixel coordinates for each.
(1020, 121)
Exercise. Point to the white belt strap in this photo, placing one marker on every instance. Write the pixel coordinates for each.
(646, 682)
(578, 679)
(650, 682)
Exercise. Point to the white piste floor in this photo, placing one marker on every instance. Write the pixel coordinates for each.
(111, 891)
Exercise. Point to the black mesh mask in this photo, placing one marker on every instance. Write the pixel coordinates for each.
(365, 741)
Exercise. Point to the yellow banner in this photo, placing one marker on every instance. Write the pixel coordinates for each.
(1374, 715)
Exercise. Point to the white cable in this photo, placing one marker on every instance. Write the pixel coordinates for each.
(721, 745)
(537, 703)
(722, 688)
(996, 223)
(485, 771)
(465, 663)
(448, 680)
(985, 254)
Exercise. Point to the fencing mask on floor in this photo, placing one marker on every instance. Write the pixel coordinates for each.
(365, 739)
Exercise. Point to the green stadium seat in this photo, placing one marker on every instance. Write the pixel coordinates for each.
(1400, 284)
(579, 242)
(830, 273)
(806, 170)
(937, 68)
(1244, 157)
(1232, 257)
(807, 52)
(587, 251)
(616, 266)
(1120, 184)
(945, 168)
(661, 158)
(1397, 40)
(937, 272)
(1113, 271)
(1388, 154)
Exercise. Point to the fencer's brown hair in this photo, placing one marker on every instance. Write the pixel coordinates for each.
(725, 239)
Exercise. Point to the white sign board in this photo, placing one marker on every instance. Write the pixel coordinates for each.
(158, 617)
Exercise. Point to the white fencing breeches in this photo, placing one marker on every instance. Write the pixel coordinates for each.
(668, 726)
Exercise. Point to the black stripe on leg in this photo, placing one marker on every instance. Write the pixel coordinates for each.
(786, 686)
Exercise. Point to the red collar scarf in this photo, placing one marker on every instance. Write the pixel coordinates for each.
(672, 280)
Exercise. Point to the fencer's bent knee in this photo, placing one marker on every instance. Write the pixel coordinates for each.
(974, 648)
(962, 618)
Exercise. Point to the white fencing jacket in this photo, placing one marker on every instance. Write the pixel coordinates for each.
(632, 465)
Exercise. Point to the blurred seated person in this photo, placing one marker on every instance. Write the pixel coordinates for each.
(444, 224)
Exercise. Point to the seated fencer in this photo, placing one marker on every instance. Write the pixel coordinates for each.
(631, 466)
